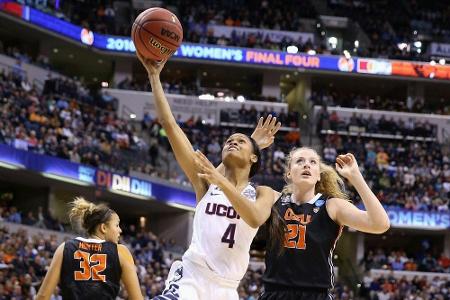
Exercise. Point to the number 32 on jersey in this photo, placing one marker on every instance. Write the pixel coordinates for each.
(91, 266)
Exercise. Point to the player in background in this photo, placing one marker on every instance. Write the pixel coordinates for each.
(218, 256)
(92, 267)
(306, 220)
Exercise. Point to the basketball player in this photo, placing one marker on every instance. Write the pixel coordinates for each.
(305, 222)
(218, 256)
(92, 267)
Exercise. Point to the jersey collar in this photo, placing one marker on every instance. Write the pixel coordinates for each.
(89, 240)
(316, 197)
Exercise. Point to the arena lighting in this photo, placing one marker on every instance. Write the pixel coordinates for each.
(347, 54)
(356, 44)
(181, 206)
(240, 98)
(105, 84)
(65, 179)
(132, 116)
(332, 40)
(433, 63)
(206, 97)
(418, 44)
(292, 49)
(311, 52)
(11, 166)
(442, 61)
(402, 46)
(142, 221)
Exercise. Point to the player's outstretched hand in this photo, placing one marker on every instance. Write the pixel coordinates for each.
(207, 170)
(153, 67)
(264, 133)
(347, 166)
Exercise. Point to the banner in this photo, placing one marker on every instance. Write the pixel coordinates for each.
(420, 70)
(374, 66)
(419, 219)
(275, 36)
(49, 165)
(258, 57)
(439, 49)
(246, 56)
(167, 193)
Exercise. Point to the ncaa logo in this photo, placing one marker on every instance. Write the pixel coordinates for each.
(249, 193)
(178, 274)
(346, 65)
(286, 199)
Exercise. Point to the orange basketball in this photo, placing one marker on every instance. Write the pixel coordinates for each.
(157, 33)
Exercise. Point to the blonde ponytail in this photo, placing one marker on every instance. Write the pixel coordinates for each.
(330, 184)
(86, 215)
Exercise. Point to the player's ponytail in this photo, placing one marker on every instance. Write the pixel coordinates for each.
(277, 229)
(88, 215)
(330, 184)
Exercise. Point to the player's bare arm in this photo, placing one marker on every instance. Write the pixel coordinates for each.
(375, 218)
(129, 275)
(253, 213)
(52, 277)
(181, 146)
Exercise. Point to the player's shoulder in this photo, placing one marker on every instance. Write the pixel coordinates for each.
(268, 192)
(124, 254)
(334, 205)
(121, 248)
(59, 252)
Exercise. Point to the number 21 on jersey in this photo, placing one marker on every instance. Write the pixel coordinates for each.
(295, 237)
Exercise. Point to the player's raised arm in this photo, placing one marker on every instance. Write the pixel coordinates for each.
(374, 219)
(181, 146)
(264, 135)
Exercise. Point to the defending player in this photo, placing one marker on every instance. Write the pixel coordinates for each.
(218, 256)
(305, 222)
(92, 267)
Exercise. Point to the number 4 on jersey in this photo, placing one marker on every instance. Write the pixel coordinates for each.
(228, 236)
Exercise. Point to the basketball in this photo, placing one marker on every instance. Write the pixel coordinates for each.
(157, 33)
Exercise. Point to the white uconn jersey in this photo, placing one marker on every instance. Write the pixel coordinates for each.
(221, 239)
